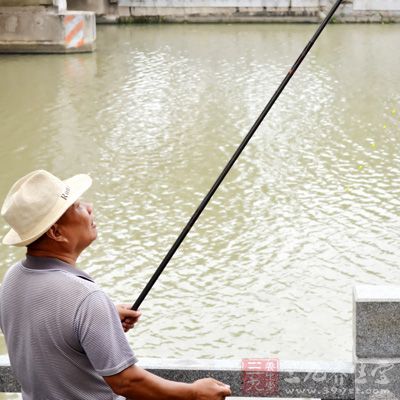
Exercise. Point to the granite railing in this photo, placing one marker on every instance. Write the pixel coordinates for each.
(374, 373)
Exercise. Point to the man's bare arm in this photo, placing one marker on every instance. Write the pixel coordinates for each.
(136, 383)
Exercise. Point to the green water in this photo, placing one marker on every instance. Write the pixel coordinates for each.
(311, 208)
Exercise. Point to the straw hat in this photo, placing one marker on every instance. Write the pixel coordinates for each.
(36, 201)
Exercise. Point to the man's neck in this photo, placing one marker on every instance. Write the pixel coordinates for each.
(68, 258)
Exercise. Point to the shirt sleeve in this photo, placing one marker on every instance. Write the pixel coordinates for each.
(100, 333)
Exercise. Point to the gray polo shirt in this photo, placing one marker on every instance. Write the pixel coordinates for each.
(62, 331)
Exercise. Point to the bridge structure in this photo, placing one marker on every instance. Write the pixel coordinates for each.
(242, 11)
(69, 26)
(373, 374)
(45, 26)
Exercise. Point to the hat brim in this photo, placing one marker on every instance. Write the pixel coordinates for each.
(78, 185)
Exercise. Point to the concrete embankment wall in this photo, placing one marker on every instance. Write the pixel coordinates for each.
(197, 11)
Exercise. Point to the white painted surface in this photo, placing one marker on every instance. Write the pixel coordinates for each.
(236, 365)
(358, 5)
(376, 5)
(60, 4)
(377, 293)
(220, 3)
(305, 3)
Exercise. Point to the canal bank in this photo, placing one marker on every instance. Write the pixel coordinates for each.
(238, 11)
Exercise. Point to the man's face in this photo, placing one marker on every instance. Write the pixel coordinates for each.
(78, 226)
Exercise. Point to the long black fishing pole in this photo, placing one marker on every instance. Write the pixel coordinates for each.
(232, 161)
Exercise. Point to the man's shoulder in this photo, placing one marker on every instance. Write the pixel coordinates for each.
(78, 281)
(50, 280)
(14, 270)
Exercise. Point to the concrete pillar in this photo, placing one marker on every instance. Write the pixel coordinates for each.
(45, 26)
(377, 342)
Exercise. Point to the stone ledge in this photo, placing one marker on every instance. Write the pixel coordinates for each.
(376, 322)
(377, 379)
(292, 379)
(379, 293)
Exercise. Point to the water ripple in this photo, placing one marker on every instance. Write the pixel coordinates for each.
(310, 208)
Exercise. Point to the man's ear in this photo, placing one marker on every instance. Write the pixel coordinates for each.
(55, 233)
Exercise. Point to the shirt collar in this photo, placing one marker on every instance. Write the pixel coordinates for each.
(48, 263)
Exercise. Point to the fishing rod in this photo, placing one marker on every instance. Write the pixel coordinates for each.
(232, 161)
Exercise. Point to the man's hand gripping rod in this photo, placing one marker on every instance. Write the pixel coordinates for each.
(235, 156)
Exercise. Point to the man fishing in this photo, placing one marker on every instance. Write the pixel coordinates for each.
(64, 336)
